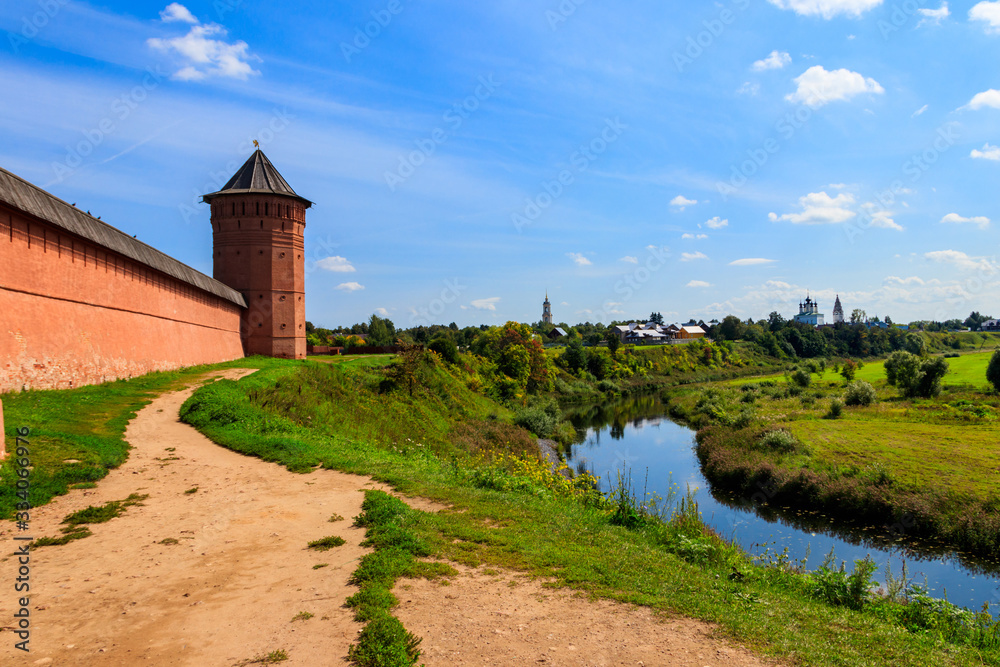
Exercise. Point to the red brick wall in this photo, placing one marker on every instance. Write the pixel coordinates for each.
(73, 313)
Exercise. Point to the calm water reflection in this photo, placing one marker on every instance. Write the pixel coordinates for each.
(634, 435)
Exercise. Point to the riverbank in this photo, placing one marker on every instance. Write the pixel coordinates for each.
(923, 468)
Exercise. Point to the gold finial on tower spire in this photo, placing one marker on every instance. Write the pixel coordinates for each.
(256, 145)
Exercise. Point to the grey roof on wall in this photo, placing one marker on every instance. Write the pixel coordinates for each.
(31, 199)
(257, 175)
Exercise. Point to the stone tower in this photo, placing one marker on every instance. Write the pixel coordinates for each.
(257, 227)
(838, 311)
(547, 310)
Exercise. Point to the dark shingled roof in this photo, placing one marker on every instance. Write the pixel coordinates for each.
(31, 199)
(257, 175)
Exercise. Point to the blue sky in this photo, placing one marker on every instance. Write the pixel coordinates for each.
(697, 159)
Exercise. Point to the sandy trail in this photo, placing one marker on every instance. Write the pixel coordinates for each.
(229, 589)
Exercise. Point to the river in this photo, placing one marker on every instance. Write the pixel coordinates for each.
(634, 436)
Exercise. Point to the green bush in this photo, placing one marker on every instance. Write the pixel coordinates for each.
(802, 377)
(841, 589)
(446, 348)
(993, 371)
(836, 409)
(860, 393)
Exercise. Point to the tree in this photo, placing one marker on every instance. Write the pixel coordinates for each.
(915, 344)
(731, 328)
(516, 354)
(575, 357)
(848, 370)
(858, 316)
(381, 331)
(993, 371)
(614, 342)
(446, 348)
(656, 318)
(914, 377)
(975, 320)
(775, 321)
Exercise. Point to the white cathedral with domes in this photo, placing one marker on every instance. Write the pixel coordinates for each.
(809, 313)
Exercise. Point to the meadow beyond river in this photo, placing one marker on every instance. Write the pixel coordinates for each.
(635, 436)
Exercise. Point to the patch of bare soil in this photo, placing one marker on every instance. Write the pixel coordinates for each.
(219, 575)
(508, 619)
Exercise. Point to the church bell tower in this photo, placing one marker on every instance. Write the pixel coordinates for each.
(258, 223)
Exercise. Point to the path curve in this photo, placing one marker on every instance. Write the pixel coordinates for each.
(228, 591)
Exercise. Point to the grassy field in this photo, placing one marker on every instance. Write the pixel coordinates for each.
(966, 369)
(935, 459)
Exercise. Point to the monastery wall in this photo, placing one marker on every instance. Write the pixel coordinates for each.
(75, 312)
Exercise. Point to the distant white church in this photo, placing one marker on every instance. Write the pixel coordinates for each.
(838, 312)
(809, 312)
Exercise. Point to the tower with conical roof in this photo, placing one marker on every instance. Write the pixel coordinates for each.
(258, 225)
(547, 310)
(838, 311)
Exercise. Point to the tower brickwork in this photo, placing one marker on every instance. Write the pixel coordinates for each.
(258, 226)
(546, 310)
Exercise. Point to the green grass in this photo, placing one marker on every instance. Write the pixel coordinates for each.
(106, 512)
(962, 460)
(326, 543)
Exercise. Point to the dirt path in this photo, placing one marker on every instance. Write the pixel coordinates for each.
(230, 587)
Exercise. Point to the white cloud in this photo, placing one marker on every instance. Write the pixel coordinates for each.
(201, 57)
(564, 303)
(716, 223)
(177, 12)
(919, 111)
(694, 237)
(698, 283)
(776, 60)
(961, 260)
(350, 287)
(692, 256)
(336, 264)
(989, 13)
(827, 8)
(382, 311)
(988, 153)
(629, 259)
(819, 208)
(681, 202)
(934, 16)
(578, 258)
(748, 88)
(881, 218)
(987, 98)
(912, 280)
(817, 86)
(954, 218)
(486, 304)
(752, 261)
